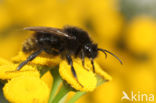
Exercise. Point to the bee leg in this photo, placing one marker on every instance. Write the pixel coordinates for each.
(92, 62)
(69, 59)
(30, 58)
(82, 57)
(83, 60)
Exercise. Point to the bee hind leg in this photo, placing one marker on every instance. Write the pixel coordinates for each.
(69, 59)
(30, 58)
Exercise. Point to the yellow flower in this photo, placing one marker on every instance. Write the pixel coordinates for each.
(26, 89)
(48, 79)
(9, 71)
(44, 59)
(141, 35)
(98, 69)
(85, 75)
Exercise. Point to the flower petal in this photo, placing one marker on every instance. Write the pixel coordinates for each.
(9, 71)
(26, 89)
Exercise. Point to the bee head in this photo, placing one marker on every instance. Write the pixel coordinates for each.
(90, 50)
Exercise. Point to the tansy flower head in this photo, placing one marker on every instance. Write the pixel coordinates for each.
(98, 70)
(26, 89)
(9, 71)
(85, 75)
(43, 59)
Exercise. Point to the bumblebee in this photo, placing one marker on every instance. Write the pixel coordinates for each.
(67, 42)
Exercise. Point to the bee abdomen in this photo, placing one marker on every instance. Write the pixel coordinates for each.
(30, 45)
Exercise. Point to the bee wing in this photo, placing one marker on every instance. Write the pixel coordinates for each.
(54, 31)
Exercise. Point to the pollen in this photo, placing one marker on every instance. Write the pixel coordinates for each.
(9, 71)
(26, 89)
(42, 59)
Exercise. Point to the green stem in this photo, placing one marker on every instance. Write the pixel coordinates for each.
(76, 97)
(63, 91)
(56, 83)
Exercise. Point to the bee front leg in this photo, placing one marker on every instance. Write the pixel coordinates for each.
(92, 62)
(30, 58)
(70, 62)
(83, 59)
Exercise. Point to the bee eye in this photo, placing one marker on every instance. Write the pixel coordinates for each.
(87, 48)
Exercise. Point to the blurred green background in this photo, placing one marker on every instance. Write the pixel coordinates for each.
(124, 27)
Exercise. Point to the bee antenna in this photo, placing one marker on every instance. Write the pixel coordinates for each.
(104, 51)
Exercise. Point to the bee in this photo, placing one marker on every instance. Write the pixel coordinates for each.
(67, 42)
